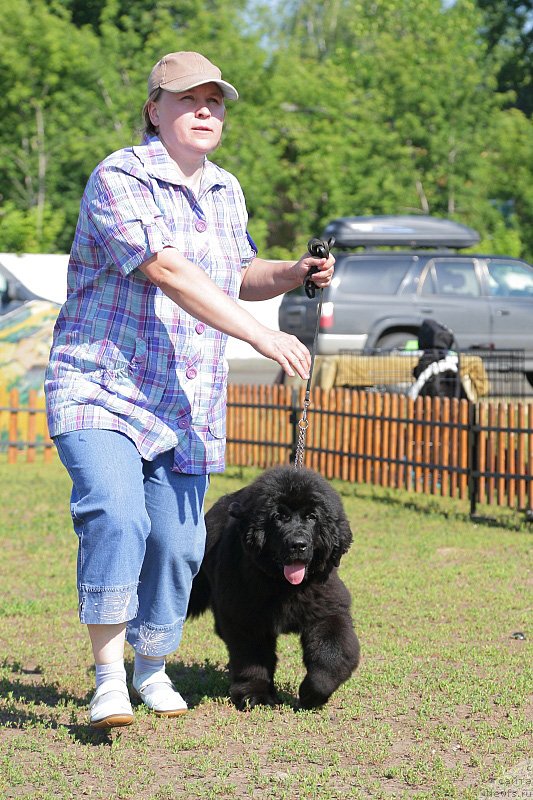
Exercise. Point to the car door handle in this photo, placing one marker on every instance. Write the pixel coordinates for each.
(426, 310)
(502, 312)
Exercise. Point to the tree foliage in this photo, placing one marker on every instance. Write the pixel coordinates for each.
(508, 31)
(347, 107)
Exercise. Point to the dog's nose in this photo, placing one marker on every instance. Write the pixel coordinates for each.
(299, 546)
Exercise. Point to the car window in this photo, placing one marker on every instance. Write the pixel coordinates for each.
(454, 278)
(374, 275)
(510, 278)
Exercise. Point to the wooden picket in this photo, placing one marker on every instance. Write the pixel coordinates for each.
(432, 446)
(505, 449)
(23, 428)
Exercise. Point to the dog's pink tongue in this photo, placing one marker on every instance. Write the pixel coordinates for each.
(295, 573)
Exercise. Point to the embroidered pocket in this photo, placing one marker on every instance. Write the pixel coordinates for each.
(135, 371)
(143, 379)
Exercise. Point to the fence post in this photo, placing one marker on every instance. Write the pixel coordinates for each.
(473, 457)
(13, 426)
(32, 421)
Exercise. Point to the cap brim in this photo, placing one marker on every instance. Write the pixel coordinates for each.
(181, 85)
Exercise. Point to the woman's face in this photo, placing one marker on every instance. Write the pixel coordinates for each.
(189, 123)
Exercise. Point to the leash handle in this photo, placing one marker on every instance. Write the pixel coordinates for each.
(318, 248)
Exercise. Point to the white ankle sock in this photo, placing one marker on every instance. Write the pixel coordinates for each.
(148, 665)
(106, 671)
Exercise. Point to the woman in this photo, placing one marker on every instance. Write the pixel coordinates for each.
(136, 383)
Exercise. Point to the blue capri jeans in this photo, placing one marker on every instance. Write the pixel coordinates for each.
(141, 535)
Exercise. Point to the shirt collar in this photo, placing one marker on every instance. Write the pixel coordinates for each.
(155, 159)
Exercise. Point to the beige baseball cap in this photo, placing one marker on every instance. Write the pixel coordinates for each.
(177, 72)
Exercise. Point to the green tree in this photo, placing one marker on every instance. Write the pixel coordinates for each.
(55, 114)
(72, 93)
(509, 172)
(508, 30)
(391, 106)
(347, 107)
(35, 230)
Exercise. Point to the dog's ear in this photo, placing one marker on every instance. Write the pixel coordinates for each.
(343, 539)
(334, 539)
(249, 523)
(235, 509)
(254, 538)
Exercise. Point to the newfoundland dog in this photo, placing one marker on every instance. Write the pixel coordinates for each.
(270, 567)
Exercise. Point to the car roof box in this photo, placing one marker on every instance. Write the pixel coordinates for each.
(406, 230)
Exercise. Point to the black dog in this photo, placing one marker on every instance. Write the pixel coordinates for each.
(270, 568)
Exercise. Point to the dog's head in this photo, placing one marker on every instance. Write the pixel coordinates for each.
(292, 524)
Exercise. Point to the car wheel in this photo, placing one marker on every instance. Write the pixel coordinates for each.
(395, 341)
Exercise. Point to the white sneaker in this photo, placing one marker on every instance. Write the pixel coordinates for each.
(110, 706)
(157, 691)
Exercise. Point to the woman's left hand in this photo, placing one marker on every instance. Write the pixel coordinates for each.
(323, 269)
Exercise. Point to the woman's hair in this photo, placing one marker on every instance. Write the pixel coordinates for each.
(149, 128)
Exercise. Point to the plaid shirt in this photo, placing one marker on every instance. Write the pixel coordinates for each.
(124, 356)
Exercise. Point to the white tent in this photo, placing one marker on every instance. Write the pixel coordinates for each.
(34, 276)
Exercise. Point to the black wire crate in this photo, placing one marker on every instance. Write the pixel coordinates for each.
(474, 375)
(505, 371)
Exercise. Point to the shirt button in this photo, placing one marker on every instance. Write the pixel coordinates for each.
(200, 327)
(184, 424)
(191, 373)
(200, 225)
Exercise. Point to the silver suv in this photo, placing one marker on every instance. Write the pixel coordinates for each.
(379, 298)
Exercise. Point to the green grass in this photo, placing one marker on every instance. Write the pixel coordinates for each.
(439, 707)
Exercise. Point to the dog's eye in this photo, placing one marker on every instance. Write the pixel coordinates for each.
(281, 515)
(312, 515)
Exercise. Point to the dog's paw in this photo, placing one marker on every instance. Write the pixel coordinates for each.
(262, 700)
(313, 695)
(246, 699)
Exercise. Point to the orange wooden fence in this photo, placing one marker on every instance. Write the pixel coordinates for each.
(504, 470)
(481, 452)
(23, 428)
(363, 437)
(452, 448)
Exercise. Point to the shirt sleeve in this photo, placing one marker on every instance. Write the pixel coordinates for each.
(247, 246)
(124, 218)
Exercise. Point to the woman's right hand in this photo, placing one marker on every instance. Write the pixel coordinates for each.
(292, 356)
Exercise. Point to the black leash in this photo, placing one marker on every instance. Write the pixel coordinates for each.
(318, 248)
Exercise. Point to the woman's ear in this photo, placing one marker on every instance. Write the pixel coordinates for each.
(153, 113)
